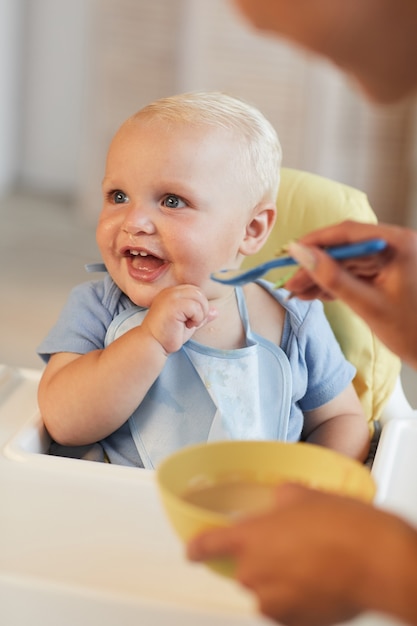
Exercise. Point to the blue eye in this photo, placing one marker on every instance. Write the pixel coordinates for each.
(118, 197)
(173, 202)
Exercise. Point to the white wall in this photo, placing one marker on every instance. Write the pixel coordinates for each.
(56, 55)
(11, 20)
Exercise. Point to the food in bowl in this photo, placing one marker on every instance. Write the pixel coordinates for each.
(209, 485)
(233, 498)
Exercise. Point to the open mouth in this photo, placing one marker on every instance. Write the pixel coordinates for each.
(143, 261)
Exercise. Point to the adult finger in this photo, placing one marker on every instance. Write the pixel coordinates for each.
(334, 280)
(212, 544)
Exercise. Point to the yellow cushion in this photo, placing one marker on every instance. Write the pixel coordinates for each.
(307, 202)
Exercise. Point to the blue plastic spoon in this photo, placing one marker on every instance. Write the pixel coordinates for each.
(348, 251)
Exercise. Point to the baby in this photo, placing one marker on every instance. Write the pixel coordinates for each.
(156, 355)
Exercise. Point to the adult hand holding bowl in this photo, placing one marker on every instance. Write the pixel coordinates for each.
(209, 485)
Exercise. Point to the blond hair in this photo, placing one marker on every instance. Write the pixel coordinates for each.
(259, 156)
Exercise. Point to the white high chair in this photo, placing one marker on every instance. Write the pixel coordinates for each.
(306, 202)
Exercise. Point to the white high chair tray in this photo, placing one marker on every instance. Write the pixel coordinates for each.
(395, 467)
(88, 543)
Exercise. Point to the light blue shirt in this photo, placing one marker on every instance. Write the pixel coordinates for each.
(260, 391)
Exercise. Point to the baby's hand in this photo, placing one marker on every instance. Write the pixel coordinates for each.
(175, 315)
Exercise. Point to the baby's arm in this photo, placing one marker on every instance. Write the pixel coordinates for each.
(339, 424)
(84, 398)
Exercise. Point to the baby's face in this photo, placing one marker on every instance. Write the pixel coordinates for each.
(173, 209)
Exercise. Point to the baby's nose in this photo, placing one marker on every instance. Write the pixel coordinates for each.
(138, 221)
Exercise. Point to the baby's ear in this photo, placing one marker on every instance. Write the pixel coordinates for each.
(258, 228)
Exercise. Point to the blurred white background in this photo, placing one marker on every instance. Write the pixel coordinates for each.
(72, 70)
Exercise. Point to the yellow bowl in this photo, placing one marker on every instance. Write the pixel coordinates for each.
(189, 478)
